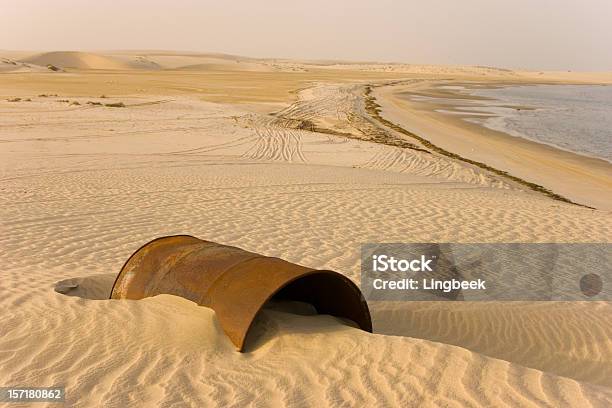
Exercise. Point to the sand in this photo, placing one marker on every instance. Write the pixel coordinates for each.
(83, 186)
(581, 179)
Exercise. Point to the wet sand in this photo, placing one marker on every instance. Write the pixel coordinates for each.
(584, 180)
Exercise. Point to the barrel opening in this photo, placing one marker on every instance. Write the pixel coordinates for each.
(329, 293)
(326, 292)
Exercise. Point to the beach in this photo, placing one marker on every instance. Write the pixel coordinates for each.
(579, 178)
(282, 158)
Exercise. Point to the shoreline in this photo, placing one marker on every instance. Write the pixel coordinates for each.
(484, 112)
(560, 174)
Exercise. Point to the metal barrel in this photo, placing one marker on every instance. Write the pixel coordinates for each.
(235, 283)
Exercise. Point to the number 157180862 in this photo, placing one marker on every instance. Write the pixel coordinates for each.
(30, 394)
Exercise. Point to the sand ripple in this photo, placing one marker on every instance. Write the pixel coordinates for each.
(77, 199)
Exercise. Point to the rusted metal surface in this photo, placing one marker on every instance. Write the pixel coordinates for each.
(233, 282)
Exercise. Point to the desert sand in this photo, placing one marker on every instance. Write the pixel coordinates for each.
(281, 158)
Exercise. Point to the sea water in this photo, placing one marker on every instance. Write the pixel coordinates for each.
(577, 118)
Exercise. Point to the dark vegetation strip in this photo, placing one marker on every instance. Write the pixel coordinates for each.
(373, 109)
(382, 136)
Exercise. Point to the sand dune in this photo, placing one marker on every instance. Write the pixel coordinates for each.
(83, 186)
(79, 60)
(293, 359)
(140, 62)
(549, 337)
(147, 61)
(13, 66)
(177, 60)
(202, 61)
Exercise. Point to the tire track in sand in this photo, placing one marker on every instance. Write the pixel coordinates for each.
(277, 145)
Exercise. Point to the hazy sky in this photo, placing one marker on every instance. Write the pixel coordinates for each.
(537, 34)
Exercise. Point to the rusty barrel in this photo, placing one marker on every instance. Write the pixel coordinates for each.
(235, 283)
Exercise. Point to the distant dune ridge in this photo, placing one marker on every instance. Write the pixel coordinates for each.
(84, 60)
(122, 61)
(203, 61)
(93, 165)
(12, 65)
